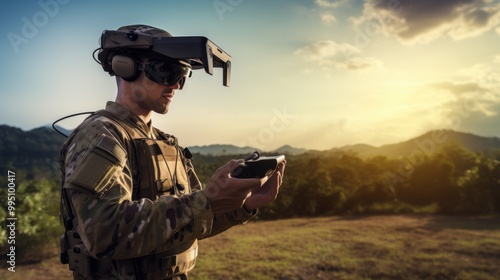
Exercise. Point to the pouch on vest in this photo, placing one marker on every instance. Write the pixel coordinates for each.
(162, 168)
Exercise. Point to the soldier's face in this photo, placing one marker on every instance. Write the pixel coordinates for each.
(152, 96)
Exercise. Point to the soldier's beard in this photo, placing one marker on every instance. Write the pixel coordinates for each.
(162, 109)
(147, 102)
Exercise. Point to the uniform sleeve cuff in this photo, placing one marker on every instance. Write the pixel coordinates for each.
(244, 215)
(251, 212)
(202, 213)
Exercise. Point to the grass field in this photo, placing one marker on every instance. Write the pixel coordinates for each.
(371, 247)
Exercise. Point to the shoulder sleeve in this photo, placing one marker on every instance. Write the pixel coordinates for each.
(96, 170)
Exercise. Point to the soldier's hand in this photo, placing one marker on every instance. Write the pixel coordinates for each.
(268, 192)
(226, 193)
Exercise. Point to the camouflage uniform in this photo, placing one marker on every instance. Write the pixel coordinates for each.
(148, 238)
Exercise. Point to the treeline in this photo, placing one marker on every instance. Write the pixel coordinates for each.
(453, 180)
(34, 153)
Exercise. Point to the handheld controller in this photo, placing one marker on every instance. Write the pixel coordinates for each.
(256, 166)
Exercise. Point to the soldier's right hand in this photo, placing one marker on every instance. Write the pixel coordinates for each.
(226, 193)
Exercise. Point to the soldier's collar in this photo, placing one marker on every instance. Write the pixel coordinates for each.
(130, 117)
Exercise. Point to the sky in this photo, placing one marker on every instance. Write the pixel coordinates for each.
(314, 74)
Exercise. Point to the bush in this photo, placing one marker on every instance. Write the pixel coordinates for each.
(37, 224)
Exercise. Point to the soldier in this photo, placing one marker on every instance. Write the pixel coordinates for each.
(131, 203)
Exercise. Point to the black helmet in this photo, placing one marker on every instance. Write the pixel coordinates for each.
(127, 44)
(136, 41)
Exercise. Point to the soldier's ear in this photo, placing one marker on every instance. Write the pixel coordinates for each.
(125, 67)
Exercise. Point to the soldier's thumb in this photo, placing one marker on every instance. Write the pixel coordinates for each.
(232, 165)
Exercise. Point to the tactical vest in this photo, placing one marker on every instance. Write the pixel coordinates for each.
(159, 167)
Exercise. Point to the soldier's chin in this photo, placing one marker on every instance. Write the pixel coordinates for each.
(162, 110)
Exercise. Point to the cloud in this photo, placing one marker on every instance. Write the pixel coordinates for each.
(360, 64)
(328, 18)
(497, 58)
(324, 49)
(328, 53)
(328, 4)
(474, 106)
(458, 88)
(479, 122)
(467, 100)
(425, 20)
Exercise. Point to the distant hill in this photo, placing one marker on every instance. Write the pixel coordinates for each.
(37, 150)
(360, 149)
(42, 141)
(219, 150)
(427, 143)
(61, 130)
(289, 150)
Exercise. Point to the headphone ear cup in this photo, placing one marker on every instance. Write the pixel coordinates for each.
(125, 67)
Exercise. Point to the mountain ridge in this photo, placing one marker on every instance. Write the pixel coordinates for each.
(426, 143)
(13, 139)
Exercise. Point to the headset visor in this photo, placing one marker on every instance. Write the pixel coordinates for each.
(166, 72)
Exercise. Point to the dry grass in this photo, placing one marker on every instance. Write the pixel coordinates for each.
(371, 247)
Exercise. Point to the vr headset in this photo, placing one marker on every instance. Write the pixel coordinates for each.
(198, 50)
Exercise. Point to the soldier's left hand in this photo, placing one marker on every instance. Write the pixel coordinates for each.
(268, 192)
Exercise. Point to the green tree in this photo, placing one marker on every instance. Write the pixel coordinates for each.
(37, 213)
(480, 186)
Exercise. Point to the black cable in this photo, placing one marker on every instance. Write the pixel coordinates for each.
(93, 55)
(66, 117)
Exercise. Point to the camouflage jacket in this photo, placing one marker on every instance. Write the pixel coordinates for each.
(99, 185)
